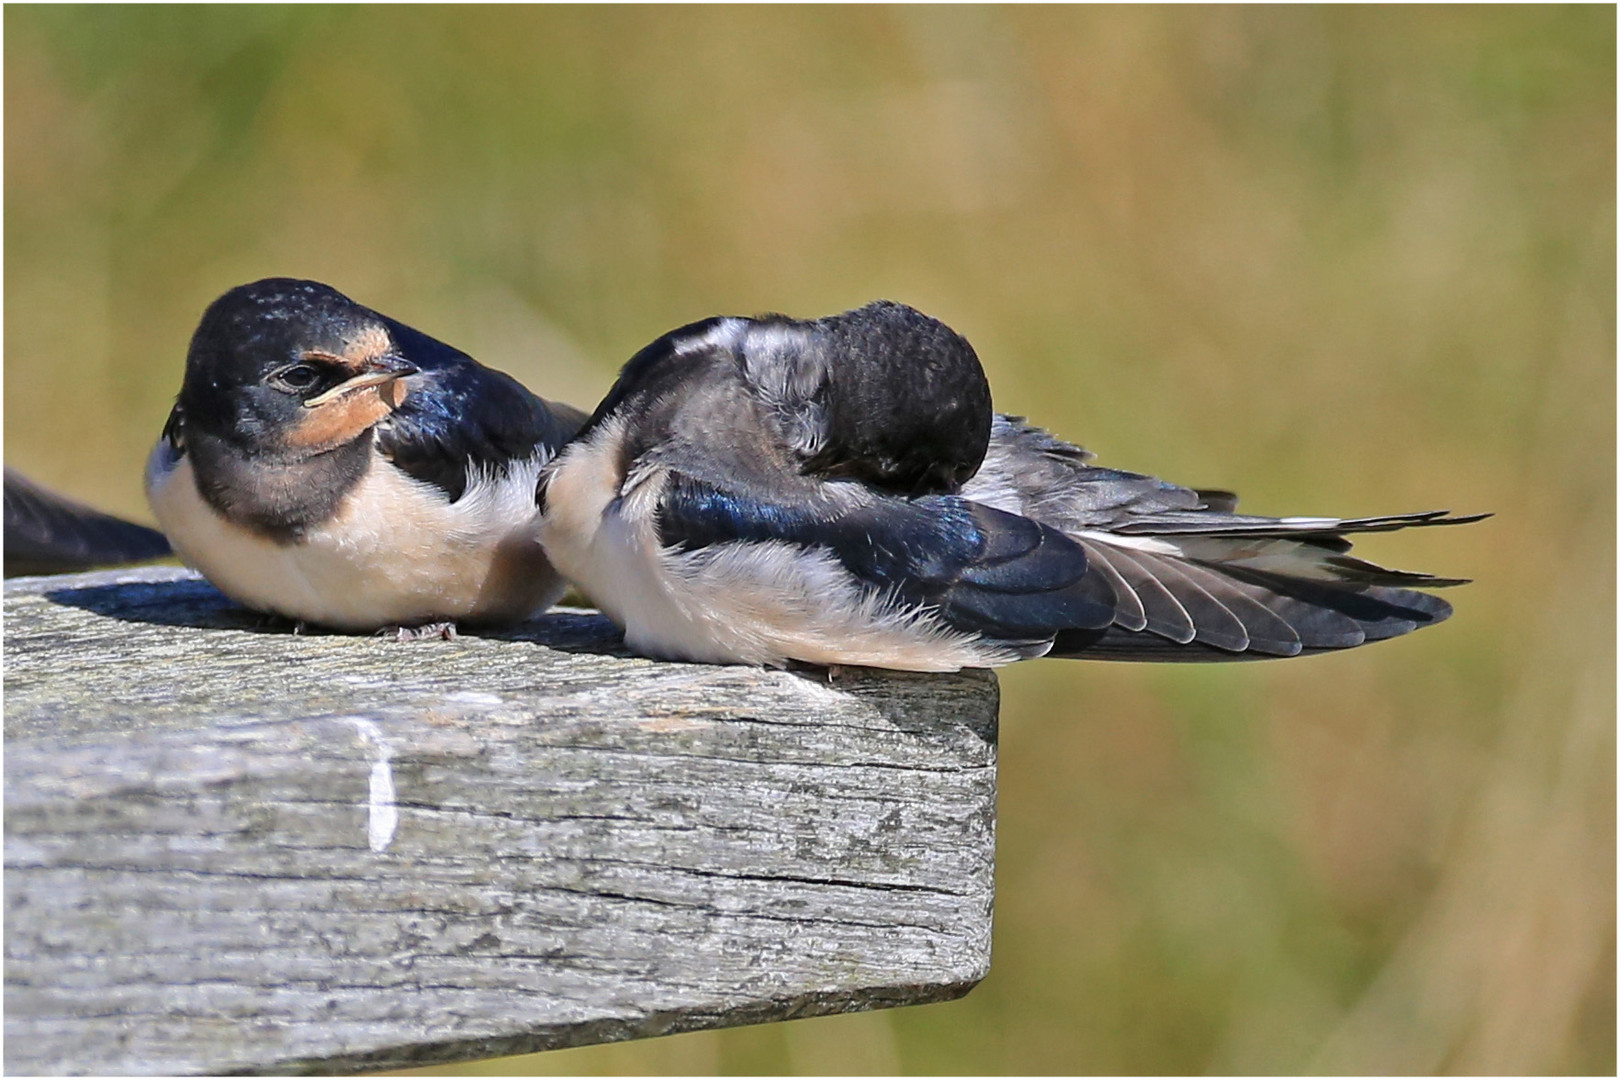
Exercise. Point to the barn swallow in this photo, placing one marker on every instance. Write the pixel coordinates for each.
(839, 491)
(328, 464)
(47, 533)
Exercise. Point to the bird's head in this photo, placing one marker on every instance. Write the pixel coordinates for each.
(291, 368)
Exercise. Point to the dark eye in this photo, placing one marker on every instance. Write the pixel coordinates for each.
(297, 377)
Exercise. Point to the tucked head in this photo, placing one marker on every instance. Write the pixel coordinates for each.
(291, 367)
(907, 405)
(883, 395)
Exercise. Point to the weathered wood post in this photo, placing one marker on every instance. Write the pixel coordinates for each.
(234, 849)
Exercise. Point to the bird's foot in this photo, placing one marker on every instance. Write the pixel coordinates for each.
(270, 623)
(442, 631)
(833, 673)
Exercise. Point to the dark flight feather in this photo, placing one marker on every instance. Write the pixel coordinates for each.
(46, 533)
(1329, 620)
(1193, 578)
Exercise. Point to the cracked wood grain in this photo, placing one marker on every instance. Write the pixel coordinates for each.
(233, 849)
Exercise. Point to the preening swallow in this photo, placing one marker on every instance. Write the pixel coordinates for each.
(839, 491)
(326, 463)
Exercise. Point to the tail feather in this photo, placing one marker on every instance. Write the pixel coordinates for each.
(1211, 520)
(1361, 572)
(1326, 560)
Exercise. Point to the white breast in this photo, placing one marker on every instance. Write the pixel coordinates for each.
(584, 543)
(749, 603)
(396, 553)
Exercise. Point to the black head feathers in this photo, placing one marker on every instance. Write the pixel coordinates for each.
(906, 403)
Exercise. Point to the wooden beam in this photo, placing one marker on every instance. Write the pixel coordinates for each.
(233, 849)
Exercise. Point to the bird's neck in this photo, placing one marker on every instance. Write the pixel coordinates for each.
(279, 498)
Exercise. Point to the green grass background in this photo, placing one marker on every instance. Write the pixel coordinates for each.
(1343, 260)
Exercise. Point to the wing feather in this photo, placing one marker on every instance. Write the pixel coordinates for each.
(1163, 614)
(1129, 611)
(46, 533)
(460, 415)
(1213, 622)
(981, 570)
(1188, 571)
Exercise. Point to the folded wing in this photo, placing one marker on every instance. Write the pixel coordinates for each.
(978, 569)
(48, 534)
(1192, 578)
(466, 414)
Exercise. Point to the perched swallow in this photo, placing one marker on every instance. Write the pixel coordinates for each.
(328, 464)
(838, 491)
(46, 533)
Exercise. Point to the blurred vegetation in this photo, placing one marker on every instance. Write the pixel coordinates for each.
(1345, 260)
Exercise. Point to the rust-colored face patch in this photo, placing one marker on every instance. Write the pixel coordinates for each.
(345, 412)
(368, 344)
(344, 418)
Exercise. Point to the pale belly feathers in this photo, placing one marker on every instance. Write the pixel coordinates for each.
(750, 603)
(395, 554)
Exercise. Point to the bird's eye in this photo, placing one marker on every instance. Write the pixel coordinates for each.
(298, 377)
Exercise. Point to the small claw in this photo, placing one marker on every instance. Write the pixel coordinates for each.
(444, 631)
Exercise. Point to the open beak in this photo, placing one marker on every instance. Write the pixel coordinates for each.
(384, 369)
